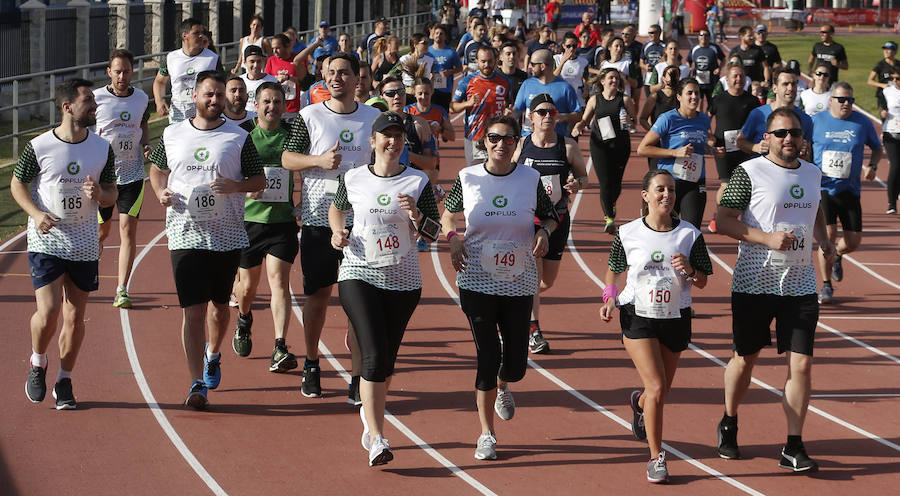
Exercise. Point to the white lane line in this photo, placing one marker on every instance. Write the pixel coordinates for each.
(887, 264)
(587, 401)
(853, 395)
(148, 394)
(874, 274)
(773, 390)
(418, 441)
(11, 241)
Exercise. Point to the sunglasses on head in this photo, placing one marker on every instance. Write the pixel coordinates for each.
(509, 139)
(819, 73)
(545, 111)
(393, 93)
(795, 132)
(844, 99)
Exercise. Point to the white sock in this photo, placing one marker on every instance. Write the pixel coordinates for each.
(210, 356)
(63, 374)
(38, 359)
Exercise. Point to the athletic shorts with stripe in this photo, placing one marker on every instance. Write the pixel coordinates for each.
(130, 200)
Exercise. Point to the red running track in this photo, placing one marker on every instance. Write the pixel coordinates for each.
(131, 434)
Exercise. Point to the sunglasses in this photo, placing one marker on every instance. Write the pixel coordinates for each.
(795, 132)
(818, 73)
(545, 112)
(569, 46)
(653, 32)
(509, 139)
(824, 32)
(844, 99)
(394, 93)
(703, 34)
(896, 78)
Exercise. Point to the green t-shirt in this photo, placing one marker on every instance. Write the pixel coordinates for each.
(269, 145)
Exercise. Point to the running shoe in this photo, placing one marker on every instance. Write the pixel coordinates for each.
(422, 245)
(891, 210)
(36, 384)
(827, 294)
(62, 392)
(380, 452)
(242, 343)
(486, 447)
(122, 300)
(610, 227)
(637, 419)
(364, 440)
(657, 472)
(311, 386)
(353, 392)
(797, 460)
(712, 225)
(537, 344)
(505, 405)
(212, 371)
(196, 397)
(728, 446)
(837, 269)
(282, 360)
(232, 302)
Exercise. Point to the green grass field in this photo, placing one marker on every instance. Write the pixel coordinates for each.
(863, 52)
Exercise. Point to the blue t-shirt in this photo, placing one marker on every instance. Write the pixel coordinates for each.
(329, 46)
(564, 96)
(464, 39)
(298, 46)
(755, 126)
(445, 58)
(852, 134)
(676, 131)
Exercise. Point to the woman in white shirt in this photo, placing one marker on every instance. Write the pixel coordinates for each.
(254, 38)
(417, 63)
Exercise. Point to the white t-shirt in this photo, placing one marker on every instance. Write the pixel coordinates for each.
(119, 123)
(427, 60)
(252, 85)
(183, 71)
(572, 71)
(892, 98)
(813, 102)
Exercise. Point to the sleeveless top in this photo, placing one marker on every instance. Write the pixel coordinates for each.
(384, 68)
(553, 165)
(663, 104)
(609, 108)
(412, 141)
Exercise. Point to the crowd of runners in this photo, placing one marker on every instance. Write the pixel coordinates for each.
(332, 152)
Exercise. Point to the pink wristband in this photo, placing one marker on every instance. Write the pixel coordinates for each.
(610, 291)
(451, 234)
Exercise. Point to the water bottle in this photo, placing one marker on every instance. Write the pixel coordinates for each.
(623, 118)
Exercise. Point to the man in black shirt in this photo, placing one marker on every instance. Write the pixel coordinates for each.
(543, 42)
(773, 57)
(752, 56)
(479, 11)
(829, 51)
(509, 57)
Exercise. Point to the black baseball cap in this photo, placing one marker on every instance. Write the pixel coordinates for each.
(890, 45)
(539, 99)
(793, 66)
(386, 120)
(253, 50)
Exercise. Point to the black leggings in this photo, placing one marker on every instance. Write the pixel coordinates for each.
(379, 317)
(609, 164)
(690, 200)
(892, 149)
(487, 314)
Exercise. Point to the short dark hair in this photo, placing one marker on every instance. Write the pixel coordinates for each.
(234, 78)
(121, 53)
(782, 112)
(214, 75)
(744, 30)
(509, 44)
(282, 38)
(682, 84)
(188, 24)
(570, 36)
(502, 119)
(257, 17)
(67, 91)
(778, 72)
(351, 59)
(270, 85)
(485, 48)
(388, 79)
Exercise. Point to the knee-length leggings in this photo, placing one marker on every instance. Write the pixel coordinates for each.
(487, 315)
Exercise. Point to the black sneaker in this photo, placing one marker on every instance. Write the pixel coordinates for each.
(242, 344)
(62, 391)
(837, 269)
(282, 360)
(36, 384)
(637, 419)
(353, 392)
(311, 387)
(728, 446)
(797, 460)
(537, 344)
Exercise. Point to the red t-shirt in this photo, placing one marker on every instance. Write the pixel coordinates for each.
(273, 66)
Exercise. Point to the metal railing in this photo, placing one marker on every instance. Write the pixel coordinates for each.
(38, 89)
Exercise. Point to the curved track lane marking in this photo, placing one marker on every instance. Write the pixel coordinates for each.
(158, 414)
(12, 240)
(412, 436)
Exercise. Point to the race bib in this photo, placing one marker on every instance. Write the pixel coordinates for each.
(892, 125)
(688, 169)
(473, 67)
(731, 140)
(125, 146)
(439, 80)
(503, 260)
(70, 204)
(605, 126)
(290, 90)
(552, 187)
(836, 164)
(278, 182)
(703, 77)
(331, 182)
(657, 297)
(386, 244)
(204, 205)
(800, 251)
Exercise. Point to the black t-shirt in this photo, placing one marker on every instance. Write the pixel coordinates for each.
(752, 58)
(515, 81)
(884, 70)
(772, 55)
(826, 53)
(536, 45)
(478, 12)
(633, 51)
(731, 112)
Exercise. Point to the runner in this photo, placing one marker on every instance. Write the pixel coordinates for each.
(181, 67)
(544, 80)
(664, 257)
(200, 167)
(468, 54)
(706, 59)
(417, 63)
(495, 265)
(256, 39)
(651, 53)
(628, 71)
(774, 277)
(420, 146)
(236, 99)
(753, 57)
(329, 44)
(610, 141)
(385, 57)
(509, 67)
(818, 98)
(679, 139)
(255, 62)
(881, 74)
(446, 65)
(839, 139)
(367, 44)
(670, 57)
(829, 51)
(380, 283)
(563, 173)
(271, 230)
(570, 66)
(281, 65)
(118, 106)
(761, 39)
(481, 96)
(890, 113)
(437, 118)
(60, 179)
(752, 138)
(327, 140)
(544, 41)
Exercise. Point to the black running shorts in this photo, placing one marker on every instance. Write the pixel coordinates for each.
(844, 206)
(674, 334)
(795, 322)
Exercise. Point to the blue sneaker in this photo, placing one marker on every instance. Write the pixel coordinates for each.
(422, 245)
(196, 397)
(212, 373)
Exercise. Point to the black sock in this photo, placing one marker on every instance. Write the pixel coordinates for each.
(249, 315)
(307, 363)
(826, 283)
(793, 443)
(729, 421)
(279, 343)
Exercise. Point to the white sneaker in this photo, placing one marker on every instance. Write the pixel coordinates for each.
(505, 405)
(486, 448)
(380, 452)
(366, 442)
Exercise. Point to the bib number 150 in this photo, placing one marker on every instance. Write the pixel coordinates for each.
(660, 296)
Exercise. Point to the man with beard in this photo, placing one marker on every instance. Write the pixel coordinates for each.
(236, 101)
(509, 67)
(481, 95)
(181, 66)
(201, 168)
(545, 81)
(753, 57)
(327, 139)
(55, 183)
(771, 205)
(751, 139)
